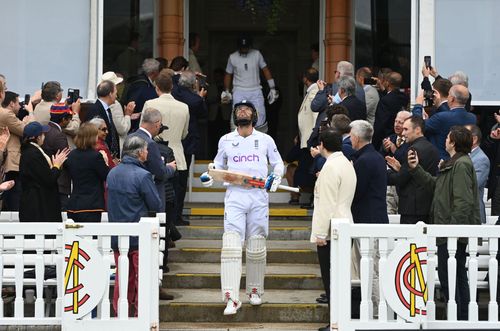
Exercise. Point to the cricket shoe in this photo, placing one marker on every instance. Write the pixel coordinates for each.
(255, 299)
(232, 306)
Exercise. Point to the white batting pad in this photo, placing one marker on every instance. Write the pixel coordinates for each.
(256, 264)
(230, 259)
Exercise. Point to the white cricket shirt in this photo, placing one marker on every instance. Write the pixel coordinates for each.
(249, 155)
(246, 69)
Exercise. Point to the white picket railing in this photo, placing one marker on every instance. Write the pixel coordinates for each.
(382, 239)
(19, 254)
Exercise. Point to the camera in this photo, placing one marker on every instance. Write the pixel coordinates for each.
(73, 95)
(369, 81)
(428, 98)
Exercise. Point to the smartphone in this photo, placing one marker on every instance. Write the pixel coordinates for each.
(427, 61)
(73, 95)
(26, 99)
(369, 81)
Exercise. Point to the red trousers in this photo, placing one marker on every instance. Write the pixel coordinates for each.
(133, 270)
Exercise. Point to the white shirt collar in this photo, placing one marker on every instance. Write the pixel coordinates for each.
(147, 132)
(104, 104)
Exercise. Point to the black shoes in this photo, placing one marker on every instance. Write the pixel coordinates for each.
(294, 202)
(164, 295)
(322, 300)
(306, 206)
(326, 328)
(181, 222)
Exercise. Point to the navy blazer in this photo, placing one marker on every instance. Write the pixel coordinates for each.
(197, 109)
(369, 204)
(387, 109)
(356, 108)
(140, 90)
(320, 101)
(438, 126)
(97, 110)
(156, 166)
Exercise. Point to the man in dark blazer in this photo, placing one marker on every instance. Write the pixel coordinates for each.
(414, 199)
(197, 110)
(155, 164)
(369, 204)
(141, 88)
(356, 108)
(56, 140)
(106, 96)
(387, 108)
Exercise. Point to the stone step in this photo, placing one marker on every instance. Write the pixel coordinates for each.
(208, 251)
(278, 221)
(278, 276)
(173, 326)
(216, 208)
(279, 306)
(275, 232)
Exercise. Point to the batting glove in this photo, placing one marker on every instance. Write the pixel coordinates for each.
(226, 97)
(272, 182)
(272, 96)
(206, 179)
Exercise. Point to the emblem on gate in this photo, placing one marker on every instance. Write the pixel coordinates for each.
(84, 276)
(74, 264)
(404, 280)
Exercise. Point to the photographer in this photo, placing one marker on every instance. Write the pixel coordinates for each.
(438, 99)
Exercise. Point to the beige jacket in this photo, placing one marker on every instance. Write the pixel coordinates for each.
(8, 119)
(175, 115)
(121, 121)
(306, 117)
(333, 194)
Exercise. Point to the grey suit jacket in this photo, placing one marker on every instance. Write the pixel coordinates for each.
(482, 166)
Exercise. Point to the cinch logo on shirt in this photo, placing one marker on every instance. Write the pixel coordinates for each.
(246, 158)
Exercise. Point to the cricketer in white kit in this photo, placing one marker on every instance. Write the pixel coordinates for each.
(246, 211)
(242, 70)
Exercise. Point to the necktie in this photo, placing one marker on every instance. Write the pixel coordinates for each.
(399, 141)
(115, 146)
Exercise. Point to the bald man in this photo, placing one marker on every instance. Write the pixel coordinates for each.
(438, 125)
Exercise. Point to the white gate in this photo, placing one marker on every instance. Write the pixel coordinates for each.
(406, 256)
(81, 258)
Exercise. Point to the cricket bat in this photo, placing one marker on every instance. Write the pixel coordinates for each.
(244, 180)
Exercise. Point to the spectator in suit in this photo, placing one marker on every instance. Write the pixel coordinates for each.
(187, 93)
(55, 140)
(141, 88)
(9, 120)
(175, 115)
(52, 93)
(388, 107)
(155, 164)
(414, 200)
(39, 172)
(456, 201)
(356, 108)
(438, 126)
(321, 101)
(306, 119)
(121, 117)
(395, 146)
(461, 78)
(481, 164)
(371, 94)
(88, 171)
(106, 93)
(132, 195)
(440, 91)
(334, 193)
(369, 204)
(101, 146)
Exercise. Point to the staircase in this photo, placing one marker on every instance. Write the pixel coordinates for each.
(292, 283)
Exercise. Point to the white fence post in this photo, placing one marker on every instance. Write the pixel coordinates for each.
(493, 275)
(452, 279)
(473, 268)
